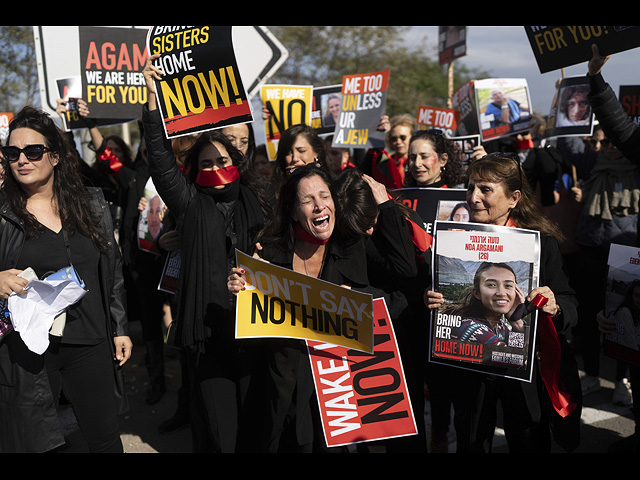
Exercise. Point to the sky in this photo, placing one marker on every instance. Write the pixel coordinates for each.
(505, 52)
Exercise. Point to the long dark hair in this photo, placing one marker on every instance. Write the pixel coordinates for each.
(506, 170)
(285, 144)
(248, 177)
(452, 172)
(358, 208)
(280, 231)
(71, 197)
(469, 306)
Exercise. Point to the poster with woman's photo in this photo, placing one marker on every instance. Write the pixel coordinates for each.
(622, 304)
(571, 112)
(484, 273)
(326, 108)
(150, 220)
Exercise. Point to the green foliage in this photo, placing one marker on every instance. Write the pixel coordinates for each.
(18, 68)
(322, 55)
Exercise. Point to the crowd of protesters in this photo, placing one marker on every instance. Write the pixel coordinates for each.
(328, 213)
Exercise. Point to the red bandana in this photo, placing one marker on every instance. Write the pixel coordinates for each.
(217, 178)
(302, 234)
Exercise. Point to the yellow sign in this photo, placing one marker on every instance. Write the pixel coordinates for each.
(287, 105)
(279, 302)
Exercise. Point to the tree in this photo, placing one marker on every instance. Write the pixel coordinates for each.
(18, 68)
(322, 55)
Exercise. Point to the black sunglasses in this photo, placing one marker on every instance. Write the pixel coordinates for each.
(32, 152)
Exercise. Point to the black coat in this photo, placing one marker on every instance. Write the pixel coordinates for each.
(26, 401)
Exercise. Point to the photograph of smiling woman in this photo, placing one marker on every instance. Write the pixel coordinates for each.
(488, 307)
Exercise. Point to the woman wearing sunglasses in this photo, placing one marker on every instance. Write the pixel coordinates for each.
(499, 194)
(48, 221)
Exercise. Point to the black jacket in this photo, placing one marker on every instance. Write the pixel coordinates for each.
(26, 401)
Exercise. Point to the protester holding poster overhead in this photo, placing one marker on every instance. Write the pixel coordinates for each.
(223, 206)
(302, 239)
(498, 194)
(625, 136)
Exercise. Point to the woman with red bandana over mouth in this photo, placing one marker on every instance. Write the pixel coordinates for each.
(221, 205)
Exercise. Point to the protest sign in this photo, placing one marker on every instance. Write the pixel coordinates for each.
(571, 112)
(362, 397)
(279, 302)
(150, 219)
(170, 273)
(326, 108)
(555, 47)
(112, 60)
(493, 107)
(483, 325)
(426, 201)
(622, 304)
(452, 43)
(5, 119)
(363, 102)
(444, 119)
(287, 105)
(630, 99)
(201, 88)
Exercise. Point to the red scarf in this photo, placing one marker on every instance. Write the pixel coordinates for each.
(396, 171)
(550, 356)
(114, 165)
(217, 178)
(302, 234)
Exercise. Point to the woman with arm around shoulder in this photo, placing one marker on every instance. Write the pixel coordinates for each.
(301, 238)
(49, 222)
(498, 194)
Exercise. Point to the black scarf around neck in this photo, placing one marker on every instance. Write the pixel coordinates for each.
(216, 222)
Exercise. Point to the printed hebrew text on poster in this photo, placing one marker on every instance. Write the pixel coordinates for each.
(555, 47)
(362, 397)
(504, 106)
(287, 105)
(201, 88)
(485, 273)
(279, 302)
(326, 109)
(363, 103)
(112, 60)
(150, 219)
(622, 304)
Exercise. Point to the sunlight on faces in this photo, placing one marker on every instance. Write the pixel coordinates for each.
(315, 210)
(489, 203)
(31, 174)
(238, 135)
(212, 157)
(302, 153)
(424, 165)
(400, 137)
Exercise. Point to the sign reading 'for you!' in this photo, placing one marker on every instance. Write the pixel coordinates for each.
(201, 88)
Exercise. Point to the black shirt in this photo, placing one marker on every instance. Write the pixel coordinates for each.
(46, 253)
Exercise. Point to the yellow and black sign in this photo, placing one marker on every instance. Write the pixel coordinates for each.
(279, 302)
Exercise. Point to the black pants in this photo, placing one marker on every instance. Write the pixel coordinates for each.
(85, 374)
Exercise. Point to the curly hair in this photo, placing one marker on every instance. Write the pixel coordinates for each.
(70, 195)
(452, 171)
